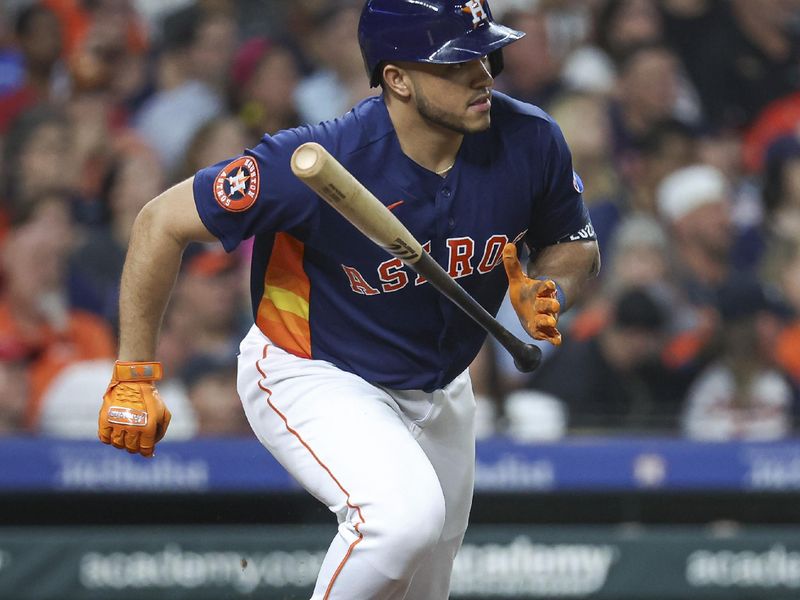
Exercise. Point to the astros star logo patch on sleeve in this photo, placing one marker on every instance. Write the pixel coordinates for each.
(236, 186)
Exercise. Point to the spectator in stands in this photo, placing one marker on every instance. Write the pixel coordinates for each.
(669, 146)
(615, 379)
(339, 83)
(38, 157)
(781, 191)
(38, 37)
(639, 256)
(133, 178)
(205, 314)
(210, 383)
(622, 24)
(34, 311)
(685, 23)
(94, 132)
(746, 57)
(216, 140)
(712, 227)
(116, 22)
(105, 44)
(194, 58)
(531, 71)
(618, 26)
(210, 32)
(263, 87)
(648, 92)
(695, 204)
(743, 394)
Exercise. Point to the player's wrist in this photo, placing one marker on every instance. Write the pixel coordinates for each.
(138, 370)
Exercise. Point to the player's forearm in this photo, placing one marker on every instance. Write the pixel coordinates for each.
(569, 264)
(151, 267)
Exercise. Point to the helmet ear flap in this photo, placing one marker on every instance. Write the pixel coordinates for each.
(496, 62)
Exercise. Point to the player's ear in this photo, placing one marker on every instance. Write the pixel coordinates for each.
(397, 80)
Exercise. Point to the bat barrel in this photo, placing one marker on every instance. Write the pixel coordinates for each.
(308, 160)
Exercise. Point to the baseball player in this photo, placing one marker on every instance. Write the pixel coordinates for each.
(354, 374)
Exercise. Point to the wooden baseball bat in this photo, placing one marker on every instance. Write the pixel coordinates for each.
(336, 185)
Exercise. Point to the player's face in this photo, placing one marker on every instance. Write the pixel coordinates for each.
(456, 97)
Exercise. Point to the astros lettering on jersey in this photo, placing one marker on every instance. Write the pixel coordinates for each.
(322, 290)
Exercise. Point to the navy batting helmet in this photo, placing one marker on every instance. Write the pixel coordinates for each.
(430, 31)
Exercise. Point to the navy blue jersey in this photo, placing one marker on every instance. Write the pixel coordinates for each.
(321, 289)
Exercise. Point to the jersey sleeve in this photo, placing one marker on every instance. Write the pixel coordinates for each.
(560, 215)
(255, 192)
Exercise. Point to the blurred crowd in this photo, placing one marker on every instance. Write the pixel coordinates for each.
(683, 117)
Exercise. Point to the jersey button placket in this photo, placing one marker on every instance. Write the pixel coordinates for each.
(447, 194)
(444, 207)
(449, 337)
(444, 226)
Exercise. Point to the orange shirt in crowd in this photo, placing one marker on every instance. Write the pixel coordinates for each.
(76, 22)
(680, 350)
(85, 337)
(788, 351)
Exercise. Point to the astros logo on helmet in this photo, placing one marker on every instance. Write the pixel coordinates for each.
(476, 8)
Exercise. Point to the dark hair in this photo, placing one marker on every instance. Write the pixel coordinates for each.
(636, 308)
(199, 366)
(180, 27)
(779, 153)
(23, 212)
(25, 17)
(652, 142)
(627, 55)
(18, 136)
(745, 297)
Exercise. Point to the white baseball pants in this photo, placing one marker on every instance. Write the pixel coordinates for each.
(396, 467)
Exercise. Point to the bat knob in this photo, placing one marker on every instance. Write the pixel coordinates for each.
(527, 358)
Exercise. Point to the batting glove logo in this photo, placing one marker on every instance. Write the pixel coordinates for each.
(121, 415)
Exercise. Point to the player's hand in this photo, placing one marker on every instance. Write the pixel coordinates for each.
(534, 300)
(133, 416)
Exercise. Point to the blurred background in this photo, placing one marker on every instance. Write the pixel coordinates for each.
(653, 456)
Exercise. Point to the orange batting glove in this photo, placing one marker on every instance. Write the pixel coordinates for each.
(534, 300)
(133, 416)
